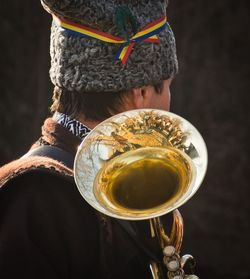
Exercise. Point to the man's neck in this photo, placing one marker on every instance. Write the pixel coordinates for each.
(89, 123)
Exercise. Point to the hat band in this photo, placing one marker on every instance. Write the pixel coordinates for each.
(147, 34)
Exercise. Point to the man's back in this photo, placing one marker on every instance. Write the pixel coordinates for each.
(49, 231)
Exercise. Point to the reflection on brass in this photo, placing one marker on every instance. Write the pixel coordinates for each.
(141, 181)
(147, 129)
(176, 234)
(156, 270)
(142, 164)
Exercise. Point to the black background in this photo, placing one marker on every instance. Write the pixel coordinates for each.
(211, 91)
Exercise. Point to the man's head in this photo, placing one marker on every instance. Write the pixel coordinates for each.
(98, 106)
(84, 69)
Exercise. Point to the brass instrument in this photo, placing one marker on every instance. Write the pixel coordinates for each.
(142, 164)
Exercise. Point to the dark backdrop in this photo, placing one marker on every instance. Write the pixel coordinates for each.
(211, 91)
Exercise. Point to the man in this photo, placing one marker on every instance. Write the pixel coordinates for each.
(47, 230)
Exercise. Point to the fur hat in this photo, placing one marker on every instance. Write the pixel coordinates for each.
(88, 64)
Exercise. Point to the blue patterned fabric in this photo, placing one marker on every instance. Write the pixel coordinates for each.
(75, 127)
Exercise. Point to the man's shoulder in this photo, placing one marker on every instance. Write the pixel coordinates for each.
(36, 179)
(32, 168)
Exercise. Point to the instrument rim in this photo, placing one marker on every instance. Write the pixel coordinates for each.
(200, 139)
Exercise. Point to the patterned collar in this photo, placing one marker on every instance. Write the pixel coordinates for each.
(75, 127)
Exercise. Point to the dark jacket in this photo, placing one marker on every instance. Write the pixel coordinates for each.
(47, 230)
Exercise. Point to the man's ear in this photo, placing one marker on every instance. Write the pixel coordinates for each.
(137, 97)
(143, 96)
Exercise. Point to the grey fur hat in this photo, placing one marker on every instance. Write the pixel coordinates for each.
(88, 65)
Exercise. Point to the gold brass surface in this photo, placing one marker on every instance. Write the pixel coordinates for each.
(143, 181)
(140, 165)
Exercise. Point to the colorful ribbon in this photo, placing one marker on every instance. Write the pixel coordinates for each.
(147, 34)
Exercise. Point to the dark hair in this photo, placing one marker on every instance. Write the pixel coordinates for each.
(94, 106)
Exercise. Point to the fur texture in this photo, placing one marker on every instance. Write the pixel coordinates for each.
(88, 65)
